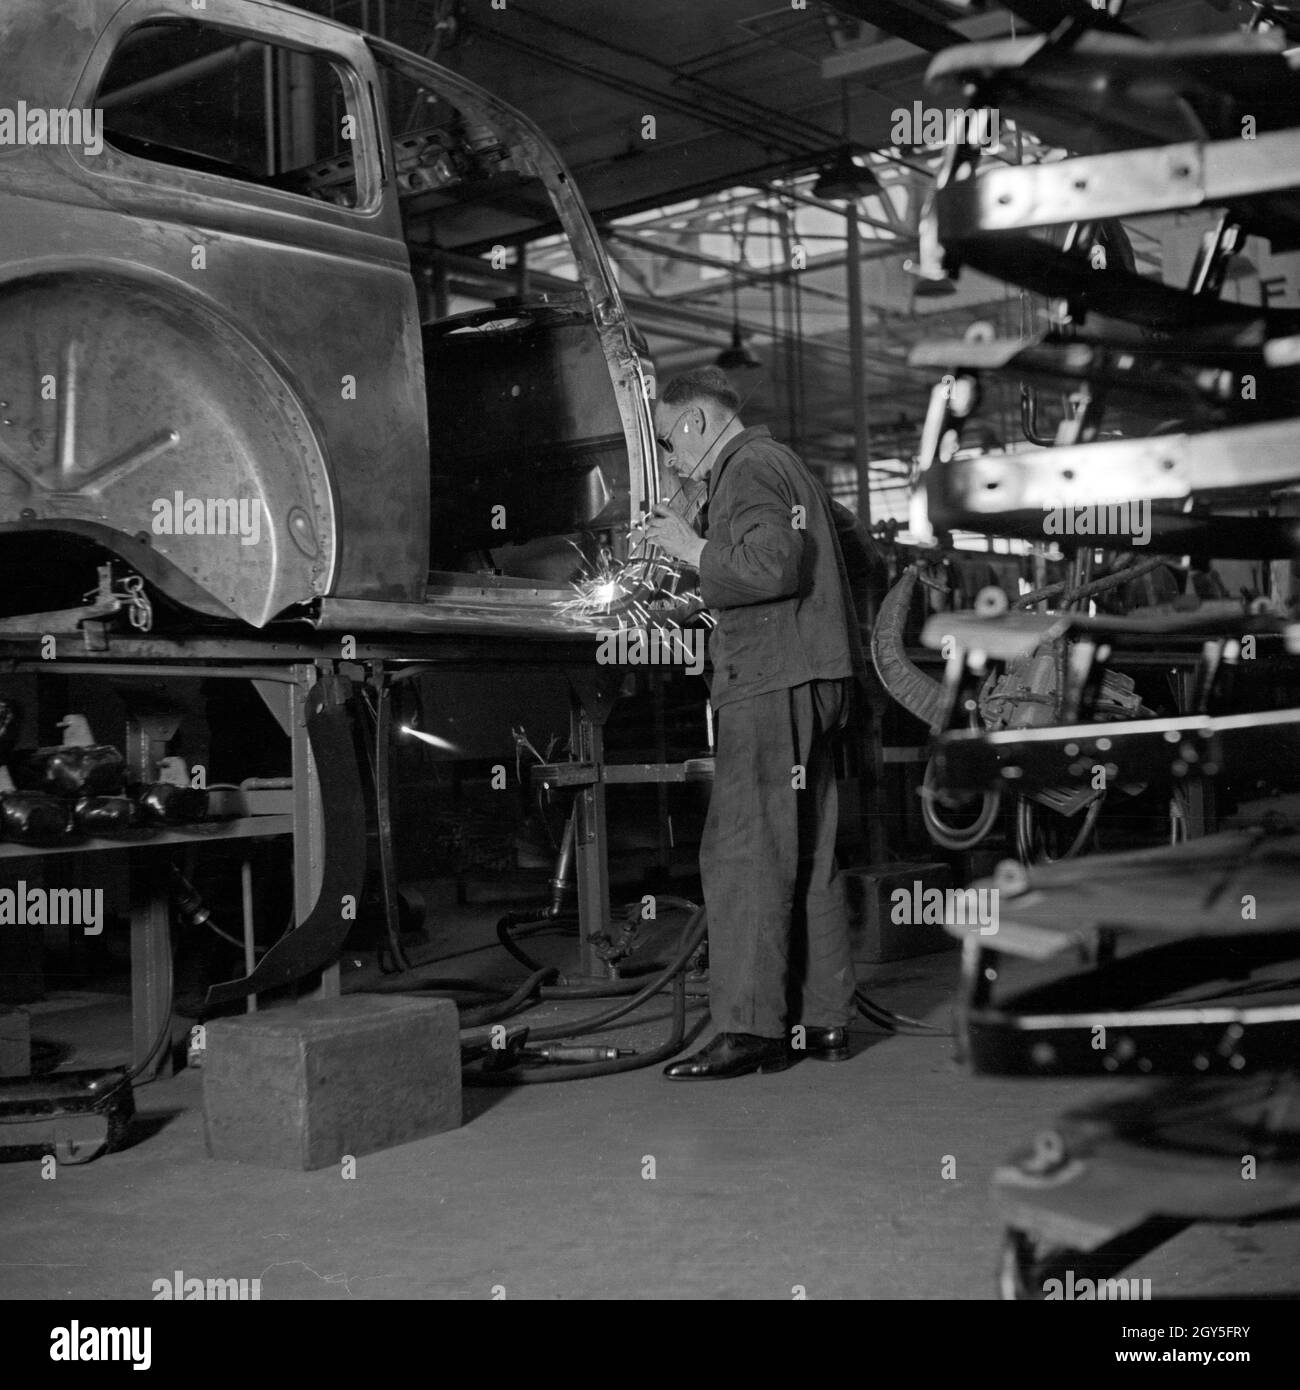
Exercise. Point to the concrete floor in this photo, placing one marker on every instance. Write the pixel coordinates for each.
(826, 1178)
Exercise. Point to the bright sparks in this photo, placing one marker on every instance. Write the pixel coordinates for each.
(612, 585)
(616, 589)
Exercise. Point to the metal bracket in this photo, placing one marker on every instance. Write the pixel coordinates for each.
(1162, 467)
(1125, 184)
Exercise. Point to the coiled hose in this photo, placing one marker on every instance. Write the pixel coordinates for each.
(957, 837)
(1027, 827)
(535, 988)
(673, 972)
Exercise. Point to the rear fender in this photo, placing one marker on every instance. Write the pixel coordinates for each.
(132, 414)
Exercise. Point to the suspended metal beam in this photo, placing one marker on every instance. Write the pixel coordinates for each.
(734, 273)
(903, 21)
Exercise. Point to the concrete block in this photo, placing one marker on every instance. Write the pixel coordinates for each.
(302, 1086)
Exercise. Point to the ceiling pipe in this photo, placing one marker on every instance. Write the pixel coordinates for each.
(178, 76)
(745, 110)
(904, 21)
(765, 134)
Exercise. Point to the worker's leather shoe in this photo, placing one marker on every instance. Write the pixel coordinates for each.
(732, 1054)
(830, 1044)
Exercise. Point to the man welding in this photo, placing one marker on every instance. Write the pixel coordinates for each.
(784, 652)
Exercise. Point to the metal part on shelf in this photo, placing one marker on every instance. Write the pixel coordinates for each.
(1083, 89)
(1163, 178)
(1114, 1178)
(1202, 377)
(284, 677)
(1163, 1008)
(1113, 472)
(1206, 987)
(1179, 746)
(581, 774)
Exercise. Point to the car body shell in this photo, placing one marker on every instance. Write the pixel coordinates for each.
(169, 334)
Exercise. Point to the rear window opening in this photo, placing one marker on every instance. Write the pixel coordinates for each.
(198, 97)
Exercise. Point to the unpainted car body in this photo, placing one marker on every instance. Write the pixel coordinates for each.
(172, 335)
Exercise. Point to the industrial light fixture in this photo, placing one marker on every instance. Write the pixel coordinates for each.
(843, 179)
(738, 357)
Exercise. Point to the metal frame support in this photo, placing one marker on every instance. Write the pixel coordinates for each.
(151, 964)
(588, 712)
(1200, 792)
(857, 370)
(591, 840)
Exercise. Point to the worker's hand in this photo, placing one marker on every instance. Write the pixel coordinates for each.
(664, 528)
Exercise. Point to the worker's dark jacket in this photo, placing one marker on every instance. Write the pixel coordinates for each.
(773, 576)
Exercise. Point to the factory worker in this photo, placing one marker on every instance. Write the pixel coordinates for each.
(784, 654)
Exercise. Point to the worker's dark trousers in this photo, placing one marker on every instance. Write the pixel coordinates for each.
(778, 931)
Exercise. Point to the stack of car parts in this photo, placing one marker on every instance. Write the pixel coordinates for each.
(1223, 377)
(1178, 961)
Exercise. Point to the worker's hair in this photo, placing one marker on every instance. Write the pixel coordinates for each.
(704, 383)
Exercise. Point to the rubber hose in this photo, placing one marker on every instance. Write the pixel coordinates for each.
(491, 1013)
(449, 984)
(478, 1015)
(677, 1042)
(945, 835)
(607, 989)
(1025, 828)
(695, 930)
(612, 989)
(522, 918)
(892, 1022)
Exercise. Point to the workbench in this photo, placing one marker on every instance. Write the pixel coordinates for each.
(283, 666)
